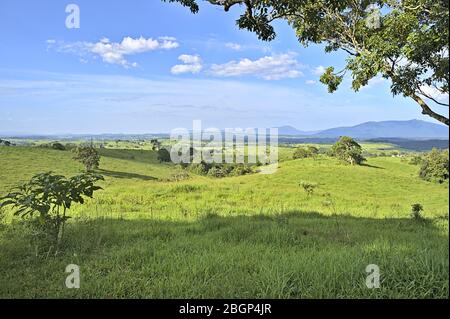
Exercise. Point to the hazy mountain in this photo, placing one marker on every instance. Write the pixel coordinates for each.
(290, 130)
(414, 129)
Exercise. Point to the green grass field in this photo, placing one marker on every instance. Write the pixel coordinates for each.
(254, 236)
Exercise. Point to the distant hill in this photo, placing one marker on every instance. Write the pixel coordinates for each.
(292, 131)
(413, 129)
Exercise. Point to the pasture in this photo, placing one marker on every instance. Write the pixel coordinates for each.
(253, 236)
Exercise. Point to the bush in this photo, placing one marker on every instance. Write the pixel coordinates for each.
(45, 200)
(416, 160)
(58, 146)
(163, 156)
(308, 187)
(416, 211)
(305, 152)
(348, 150)
(6, 143)
(435, 166)
(240, 170)
(218, 172)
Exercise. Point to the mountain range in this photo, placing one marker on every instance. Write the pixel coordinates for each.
(414, 129)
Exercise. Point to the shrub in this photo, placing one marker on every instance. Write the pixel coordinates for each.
(49, 197)
(163, 155)
(416, 160)
(58, 146)
(416, 211)
(240, 170)
(305, 152)
(88, 156)
(5, 143)
(218, 172)
(348, 150)
(308, 187)
(435, 166)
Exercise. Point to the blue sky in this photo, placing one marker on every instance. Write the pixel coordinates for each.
(144, 66)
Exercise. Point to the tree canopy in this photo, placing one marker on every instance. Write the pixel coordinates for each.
(405, 41)
(347, 150)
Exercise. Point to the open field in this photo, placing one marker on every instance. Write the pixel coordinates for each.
(247, 236)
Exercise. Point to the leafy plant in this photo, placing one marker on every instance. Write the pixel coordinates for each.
(88, 156)
(308, 187)
(46, 198)
(416, 211)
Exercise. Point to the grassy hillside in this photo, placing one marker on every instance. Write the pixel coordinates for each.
(247, 236)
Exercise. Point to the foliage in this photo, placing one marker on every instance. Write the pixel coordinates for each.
(88, 156)
(156, 145)
(308, 187)
(6, 143)
(164, 155)
(416, 160)
(219, 170)
(435, 166)
(305, 152)
(49, 196)
(405, 41)
(58, 146)
(347, 150)
(416, 211)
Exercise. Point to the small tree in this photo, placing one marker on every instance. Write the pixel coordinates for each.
(348, 150)
(416, 211)
(156, 145)
(308, 187)
(49, 196)
(435, 166)
(88, 156)
(164, 155)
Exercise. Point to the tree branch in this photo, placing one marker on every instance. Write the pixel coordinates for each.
(426, 110)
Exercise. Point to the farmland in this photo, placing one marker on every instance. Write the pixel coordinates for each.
(255, 236)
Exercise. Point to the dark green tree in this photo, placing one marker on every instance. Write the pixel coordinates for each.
(435, 166)
(405, 41)
(347, 150)
(164, 155)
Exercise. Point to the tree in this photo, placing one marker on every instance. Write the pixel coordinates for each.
(50, 196)
(156, 145)
(6, 143)
(164, 155)
(88, 156)
(347, 150)
(405, 41)
(435, 166)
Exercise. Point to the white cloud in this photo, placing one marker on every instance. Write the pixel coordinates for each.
(310, 82)
(273, 67)
(319, 70)
(192, 64)
(116, 52)
(233, 46)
